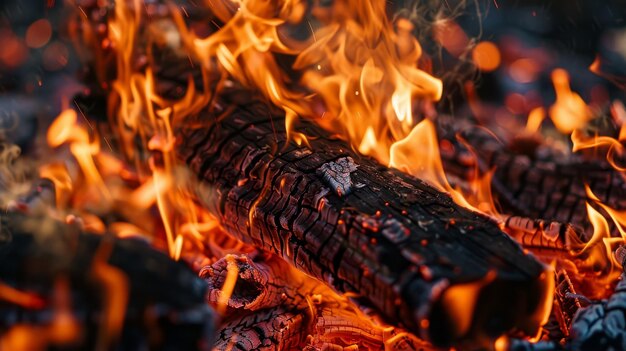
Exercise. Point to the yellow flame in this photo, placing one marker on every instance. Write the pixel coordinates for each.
(535, 117)
(600, 227)
(66, 130)
(598, 251)
(229, 283)
(139, 112)
(618, 217)
(418, 154)
(362, 73)
(569, 112)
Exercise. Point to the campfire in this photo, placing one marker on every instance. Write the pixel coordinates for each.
(310, 175)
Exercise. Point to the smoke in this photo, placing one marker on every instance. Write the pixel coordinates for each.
(429, 15)
(16, 171)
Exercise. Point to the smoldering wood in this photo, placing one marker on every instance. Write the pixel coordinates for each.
(276, 307)
(544, 234)
(532, 181)
(166, 307)
(525, 345)
(394, 241)
(593, 325)
(566, 301)
(602, 324)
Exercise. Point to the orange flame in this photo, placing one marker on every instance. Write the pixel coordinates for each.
(361, 76)
(65, 129)
(535, 117)
(618, 217)
(418, 154)
(115, 282)
(362, 72)
(21, 298)
(598, 251)
(614, 146)
(139, 112)
(569, 111)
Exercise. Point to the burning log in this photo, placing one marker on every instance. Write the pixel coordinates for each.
(567, 303)
(602, 325)
(533, 182)
(543, 234)
(61, 286)
(446, 273)
(273, 306)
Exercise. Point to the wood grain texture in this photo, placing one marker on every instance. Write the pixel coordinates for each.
(533, 181)
(274, 307)
(394, 241)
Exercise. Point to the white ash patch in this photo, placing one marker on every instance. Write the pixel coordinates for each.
(337, 174)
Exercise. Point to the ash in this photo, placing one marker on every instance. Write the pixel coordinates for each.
(337, 174)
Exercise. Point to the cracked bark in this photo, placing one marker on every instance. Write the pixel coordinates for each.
(602, 325)
(532, 182)
(397, 243)
(597, 327)
(276, 307)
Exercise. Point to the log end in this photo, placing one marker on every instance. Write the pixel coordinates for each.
(479, 312)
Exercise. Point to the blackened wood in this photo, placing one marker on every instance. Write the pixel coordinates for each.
(534, 182)
(392, 240)
(274, 306)
(598, 326)
(525, 345)
(166, 307)
(602, 325)
(567, 303)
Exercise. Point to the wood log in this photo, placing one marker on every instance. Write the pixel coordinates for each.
(601, 326)
(274, 306)
(73, 290)
(530, 181)
(390, 240)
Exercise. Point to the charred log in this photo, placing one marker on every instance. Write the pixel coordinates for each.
(567, 303)
(530, 181)
(273, 306)
(397, 243)
(602, 325)
(593, 325)
(525, 345)
(75, 290)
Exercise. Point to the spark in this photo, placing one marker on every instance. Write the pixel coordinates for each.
(82, 11)
(89, 124)
(312, 31)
